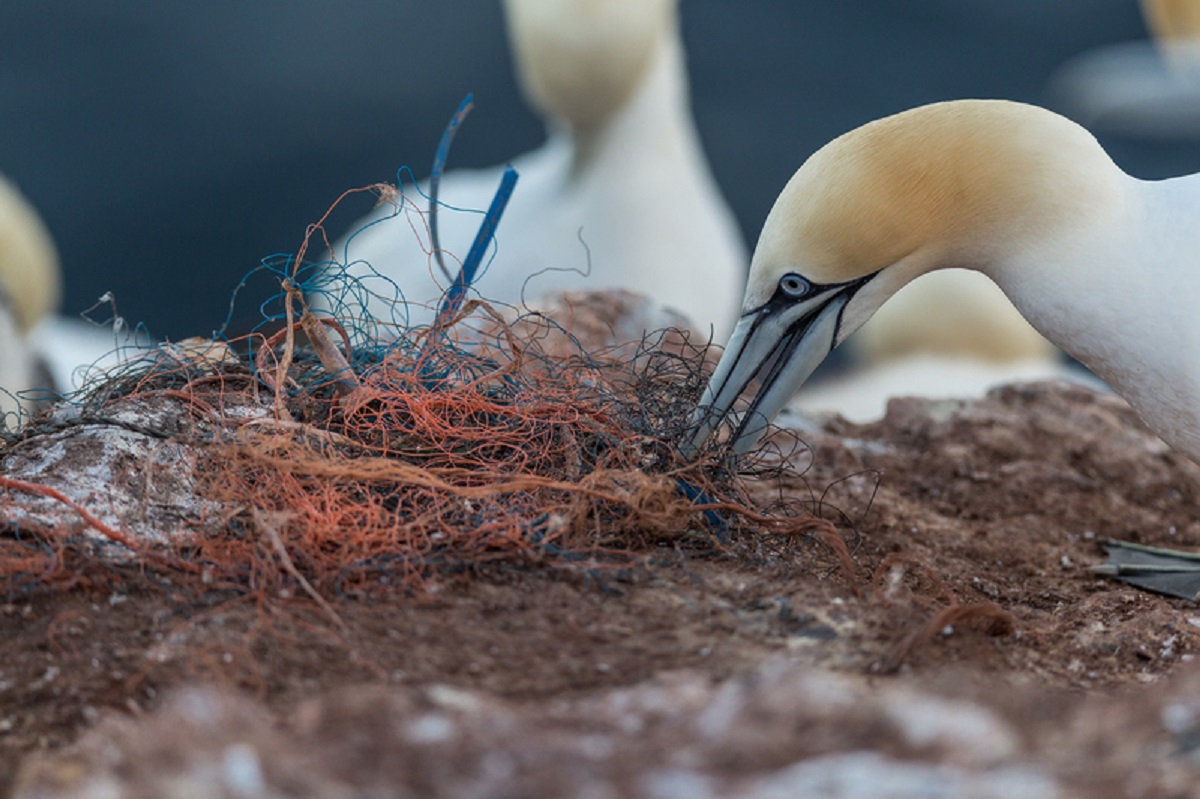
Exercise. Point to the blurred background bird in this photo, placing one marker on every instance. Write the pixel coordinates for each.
(42, 354)
(1148, 88)
(619, 196)
(29, 290)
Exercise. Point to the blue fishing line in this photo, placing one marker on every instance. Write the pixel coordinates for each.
(720, 526)
(435, 177)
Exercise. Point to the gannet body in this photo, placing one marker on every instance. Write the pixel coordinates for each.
(621, 186)
(29, 268)
(75, 351)
(1104, 265)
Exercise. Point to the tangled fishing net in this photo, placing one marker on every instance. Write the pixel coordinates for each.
(319, 454)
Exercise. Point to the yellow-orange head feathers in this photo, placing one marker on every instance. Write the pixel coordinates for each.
(581, 60)
(941, 185)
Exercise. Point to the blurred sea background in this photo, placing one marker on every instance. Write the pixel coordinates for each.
(171, 146)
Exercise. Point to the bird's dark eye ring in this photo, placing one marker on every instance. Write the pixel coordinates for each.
(794, 286)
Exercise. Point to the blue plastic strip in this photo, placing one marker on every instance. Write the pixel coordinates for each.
(470, 266)
(435, 177)
(720, 527)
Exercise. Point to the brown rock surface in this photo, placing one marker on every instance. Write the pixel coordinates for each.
(973, 654)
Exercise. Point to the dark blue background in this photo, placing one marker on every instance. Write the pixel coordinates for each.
(171, 145)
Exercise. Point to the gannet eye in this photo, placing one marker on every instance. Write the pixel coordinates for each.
(794, 286)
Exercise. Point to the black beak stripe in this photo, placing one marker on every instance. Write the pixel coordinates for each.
(778, 361)
(790, 340)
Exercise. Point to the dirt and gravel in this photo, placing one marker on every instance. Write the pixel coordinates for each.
(970, 652)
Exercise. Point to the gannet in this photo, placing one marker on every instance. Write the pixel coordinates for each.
(29, 290)
(42, 353)
(1104, 265)
(29, 268)
(1175, 25)
(621, 185)
(1141, 88)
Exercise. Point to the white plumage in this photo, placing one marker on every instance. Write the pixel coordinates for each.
(620, 188)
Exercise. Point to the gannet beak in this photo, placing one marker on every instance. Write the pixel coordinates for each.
(793, 336)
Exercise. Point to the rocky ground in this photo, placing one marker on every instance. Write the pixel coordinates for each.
(971, 653)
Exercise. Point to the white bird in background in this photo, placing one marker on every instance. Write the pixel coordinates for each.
(1141, 88)
(621, 186)
(1175, 24)
(43, 354)
(29, 290)
(1106, 266)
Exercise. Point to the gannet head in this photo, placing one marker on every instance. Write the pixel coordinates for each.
(1175, 25)
(1172, 20)
(580, 61)
(29, 271)
(961, 183)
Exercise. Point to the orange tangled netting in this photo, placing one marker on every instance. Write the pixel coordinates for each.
(346, 464)
(441, 456)
(423, 455)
